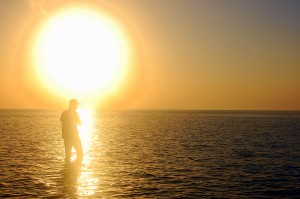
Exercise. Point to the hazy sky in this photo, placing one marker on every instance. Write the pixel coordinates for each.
(194, 54)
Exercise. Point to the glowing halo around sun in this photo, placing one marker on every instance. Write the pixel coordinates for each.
(79, 52)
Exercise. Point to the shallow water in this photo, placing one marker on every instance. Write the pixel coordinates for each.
(152, 154)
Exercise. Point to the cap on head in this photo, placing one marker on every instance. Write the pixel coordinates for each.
(73, 103)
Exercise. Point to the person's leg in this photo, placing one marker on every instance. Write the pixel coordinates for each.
(78, 148)
(68, 149)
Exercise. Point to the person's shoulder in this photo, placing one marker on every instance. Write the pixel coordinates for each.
(65, 111)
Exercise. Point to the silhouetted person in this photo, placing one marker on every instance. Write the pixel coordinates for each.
(70, 119)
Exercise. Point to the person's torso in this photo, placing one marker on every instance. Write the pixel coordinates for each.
(69, 121)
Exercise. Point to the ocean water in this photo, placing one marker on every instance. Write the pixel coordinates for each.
(152, 154)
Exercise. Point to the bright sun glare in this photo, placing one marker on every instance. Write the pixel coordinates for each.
(79, 51)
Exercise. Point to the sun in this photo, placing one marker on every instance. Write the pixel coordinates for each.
(79, 51)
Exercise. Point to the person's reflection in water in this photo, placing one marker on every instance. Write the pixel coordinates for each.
(70, 175)
(70, 119)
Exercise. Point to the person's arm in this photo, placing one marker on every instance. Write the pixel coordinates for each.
(61, 117)
(78, 119)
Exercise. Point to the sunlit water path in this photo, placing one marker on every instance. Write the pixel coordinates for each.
(154, 154)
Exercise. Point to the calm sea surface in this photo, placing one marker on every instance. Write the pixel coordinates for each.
(152, 154)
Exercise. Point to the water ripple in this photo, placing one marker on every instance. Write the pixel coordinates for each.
(140, 154)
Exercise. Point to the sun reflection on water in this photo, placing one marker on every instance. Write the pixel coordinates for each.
(86, 128)
(86, 183)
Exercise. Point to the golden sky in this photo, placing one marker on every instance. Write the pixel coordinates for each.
(228, 55)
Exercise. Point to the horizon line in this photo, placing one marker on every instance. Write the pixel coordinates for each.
(157, 109)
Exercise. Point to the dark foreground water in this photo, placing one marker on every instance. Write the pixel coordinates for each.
(153, 154)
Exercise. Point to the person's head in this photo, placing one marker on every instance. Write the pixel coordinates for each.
(73, 104)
